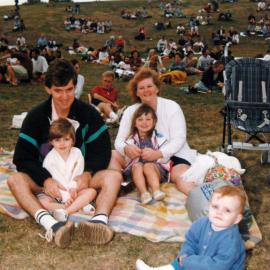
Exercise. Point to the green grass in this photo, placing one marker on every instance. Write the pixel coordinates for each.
(20, 246)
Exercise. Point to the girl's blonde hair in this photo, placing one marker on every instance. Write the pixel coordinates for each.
(143, 109)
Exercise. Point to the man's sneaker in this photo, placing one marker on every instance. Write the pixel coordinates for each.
(95, 233)
(60, 215)
(159, 195)
(61, 233)
(146, 198)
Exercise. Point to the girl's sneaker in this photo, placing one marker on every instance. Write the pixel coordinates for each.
(89, 209)
(159, 195)
(146, 198)
(60, 215)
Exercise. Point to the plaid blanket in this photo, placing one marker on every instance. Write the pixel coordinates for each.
(159, 221)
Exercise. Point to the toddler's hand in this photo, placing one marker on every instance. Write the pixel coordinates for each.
(73, 193)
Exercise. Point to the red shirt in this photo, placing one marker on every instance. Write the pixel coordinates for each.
(110, 94)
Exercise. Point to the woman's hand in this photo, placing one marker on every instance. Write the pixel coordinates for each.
(149, 154)
(132, 151)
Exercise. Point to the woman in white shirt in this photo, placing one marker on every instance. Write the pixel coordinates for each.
(144, 88)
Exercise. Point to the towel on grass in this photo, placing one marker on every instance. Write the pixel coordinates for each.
(159, 221)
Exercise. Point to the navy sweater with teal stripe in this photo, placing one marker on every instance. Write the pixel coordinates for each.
(92, 138)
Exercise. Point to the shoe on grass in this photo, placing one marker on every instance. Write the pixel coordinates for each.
(88, 209)
(61, 232)
(146, 198)
(159, 195)
(60, 214)
(96, 233)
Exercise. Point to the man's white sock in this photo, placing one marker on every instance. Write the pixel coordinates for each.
(100, 218)
(44, 218)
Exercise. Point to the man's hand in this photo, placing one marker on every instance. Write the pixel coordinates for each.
(149, 154)
(132, 151)
(51, 187)
(220, 84)
(83, 180)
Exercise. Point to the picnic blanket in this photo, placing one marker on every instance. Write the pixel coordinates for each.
(159, 221)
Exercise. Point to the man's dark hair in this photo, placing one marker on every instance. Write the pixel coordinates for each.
(60, 73)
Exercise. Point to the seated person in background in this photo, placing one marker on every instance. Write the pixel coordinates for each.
(103, 56)
(135, 61)
(141, 34)
(178, 63)
(191, 63)
(207, 8)
(19, 68)
(21, 41)
(40, 65)
(154, 61)
(42, 41)
(110, 43)
(3, 43)
(104, 97)
(123, 69)
(80, 78)
(120, 43)
(49, 55)
(162, 44)
(261, 6)
(180, 29)
(204, 60)
(218, 232)
(177, 71)
(212, 79)
(64, 162)
(159, 26)
(225, 16)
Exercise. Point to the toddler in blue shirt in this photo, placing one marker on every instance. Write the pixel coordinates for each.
(213, 242)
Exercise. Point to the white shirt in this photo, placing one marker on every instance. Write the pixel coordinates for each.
(79, 86)
(63, 171)
(171, 123)
(40, 64)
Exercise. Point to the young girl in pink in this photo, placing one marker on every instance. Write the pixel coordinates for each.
(146, 174)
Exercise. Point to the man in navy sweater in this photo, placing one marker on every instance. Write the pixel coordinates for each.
(91, 137)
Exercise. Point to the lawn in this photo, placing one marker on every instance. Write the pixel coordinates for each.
(20, 246)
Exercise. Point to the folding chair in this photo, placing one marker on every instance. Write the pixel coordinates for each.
(247, 105)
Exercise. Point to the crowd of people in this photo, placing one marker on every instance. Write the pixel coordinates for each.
(87, 25)
(74, 141)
